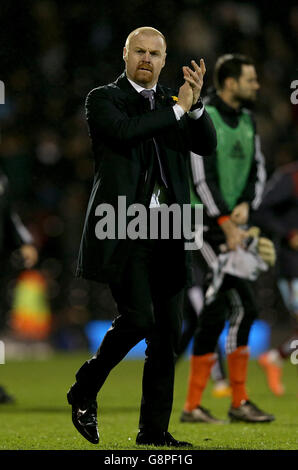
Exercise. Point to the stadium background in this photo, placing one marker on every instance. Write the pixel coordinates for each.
(52, 54)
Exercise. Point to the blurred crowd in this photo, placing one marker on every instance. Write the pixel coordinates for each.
(54, 52)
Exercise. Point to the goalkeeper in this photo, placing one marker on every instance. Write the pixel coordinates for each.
(229, 183)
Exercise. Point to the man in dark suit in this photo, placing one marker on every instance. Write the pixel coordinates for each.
(141, 135)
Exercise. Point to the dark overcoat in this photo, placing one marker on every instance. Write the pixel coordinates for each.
(121, 126)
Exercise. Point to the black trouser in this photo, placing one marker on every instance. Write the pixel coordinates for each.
(234, 302)
(149, 299)
(191, 313)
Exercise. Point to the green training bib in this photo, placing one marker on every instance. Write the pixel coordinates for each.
(234, 154)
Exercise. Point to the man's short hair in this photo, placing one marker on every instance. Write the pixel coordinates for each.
(229, 65)
(145, 30)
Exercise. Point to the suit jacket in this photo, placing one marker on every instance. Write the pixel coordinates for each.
(121, 127)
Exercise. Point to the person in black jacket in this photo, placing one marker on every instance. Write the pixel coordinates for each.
(278, 216)
(13, 235)
(141, 137)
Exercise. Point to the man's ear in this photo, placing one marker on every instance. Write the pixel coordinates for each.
(230, 83)
(164, 60)
(124, 54)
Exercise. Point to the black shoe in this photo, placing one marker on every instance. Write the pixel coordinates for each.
(199, 415)
(159, 440)
(84, 417)
(4, 397)
(249, 413)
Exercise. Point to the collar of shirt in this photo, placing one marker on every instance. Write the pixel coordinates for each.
(139, 88)
(177, 109)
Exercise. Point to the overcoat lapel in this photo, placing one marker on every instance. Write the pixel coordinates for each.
(134, 102)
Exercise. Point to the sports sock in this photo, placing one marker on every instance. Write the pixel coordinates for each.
(272, 363)
(200, 369)
(237, 364)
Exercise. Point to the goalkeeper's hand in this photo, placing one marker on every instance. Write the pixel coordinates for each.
(266, 251)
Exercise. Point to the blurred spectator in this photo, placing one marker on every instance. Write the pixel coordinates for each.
(13, 236)
(278, 216)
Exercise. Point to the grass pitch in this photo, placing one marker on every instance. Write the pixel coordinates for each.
(41, 418)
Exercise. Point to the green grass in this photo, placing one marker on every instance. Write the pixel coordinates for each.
(41, 419)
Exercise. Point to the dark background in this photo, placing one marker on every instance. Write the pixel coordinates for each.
(52, 53)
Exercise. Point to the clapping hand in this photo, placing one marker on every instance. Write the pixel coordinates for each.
(195, 78)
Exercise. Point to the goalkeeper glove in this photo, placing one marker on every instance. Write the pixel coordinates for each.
(266, 249)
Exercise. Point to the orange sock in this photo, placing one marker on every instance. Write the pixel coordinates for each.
(272, 364)
(200, 369)
(237, 364)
